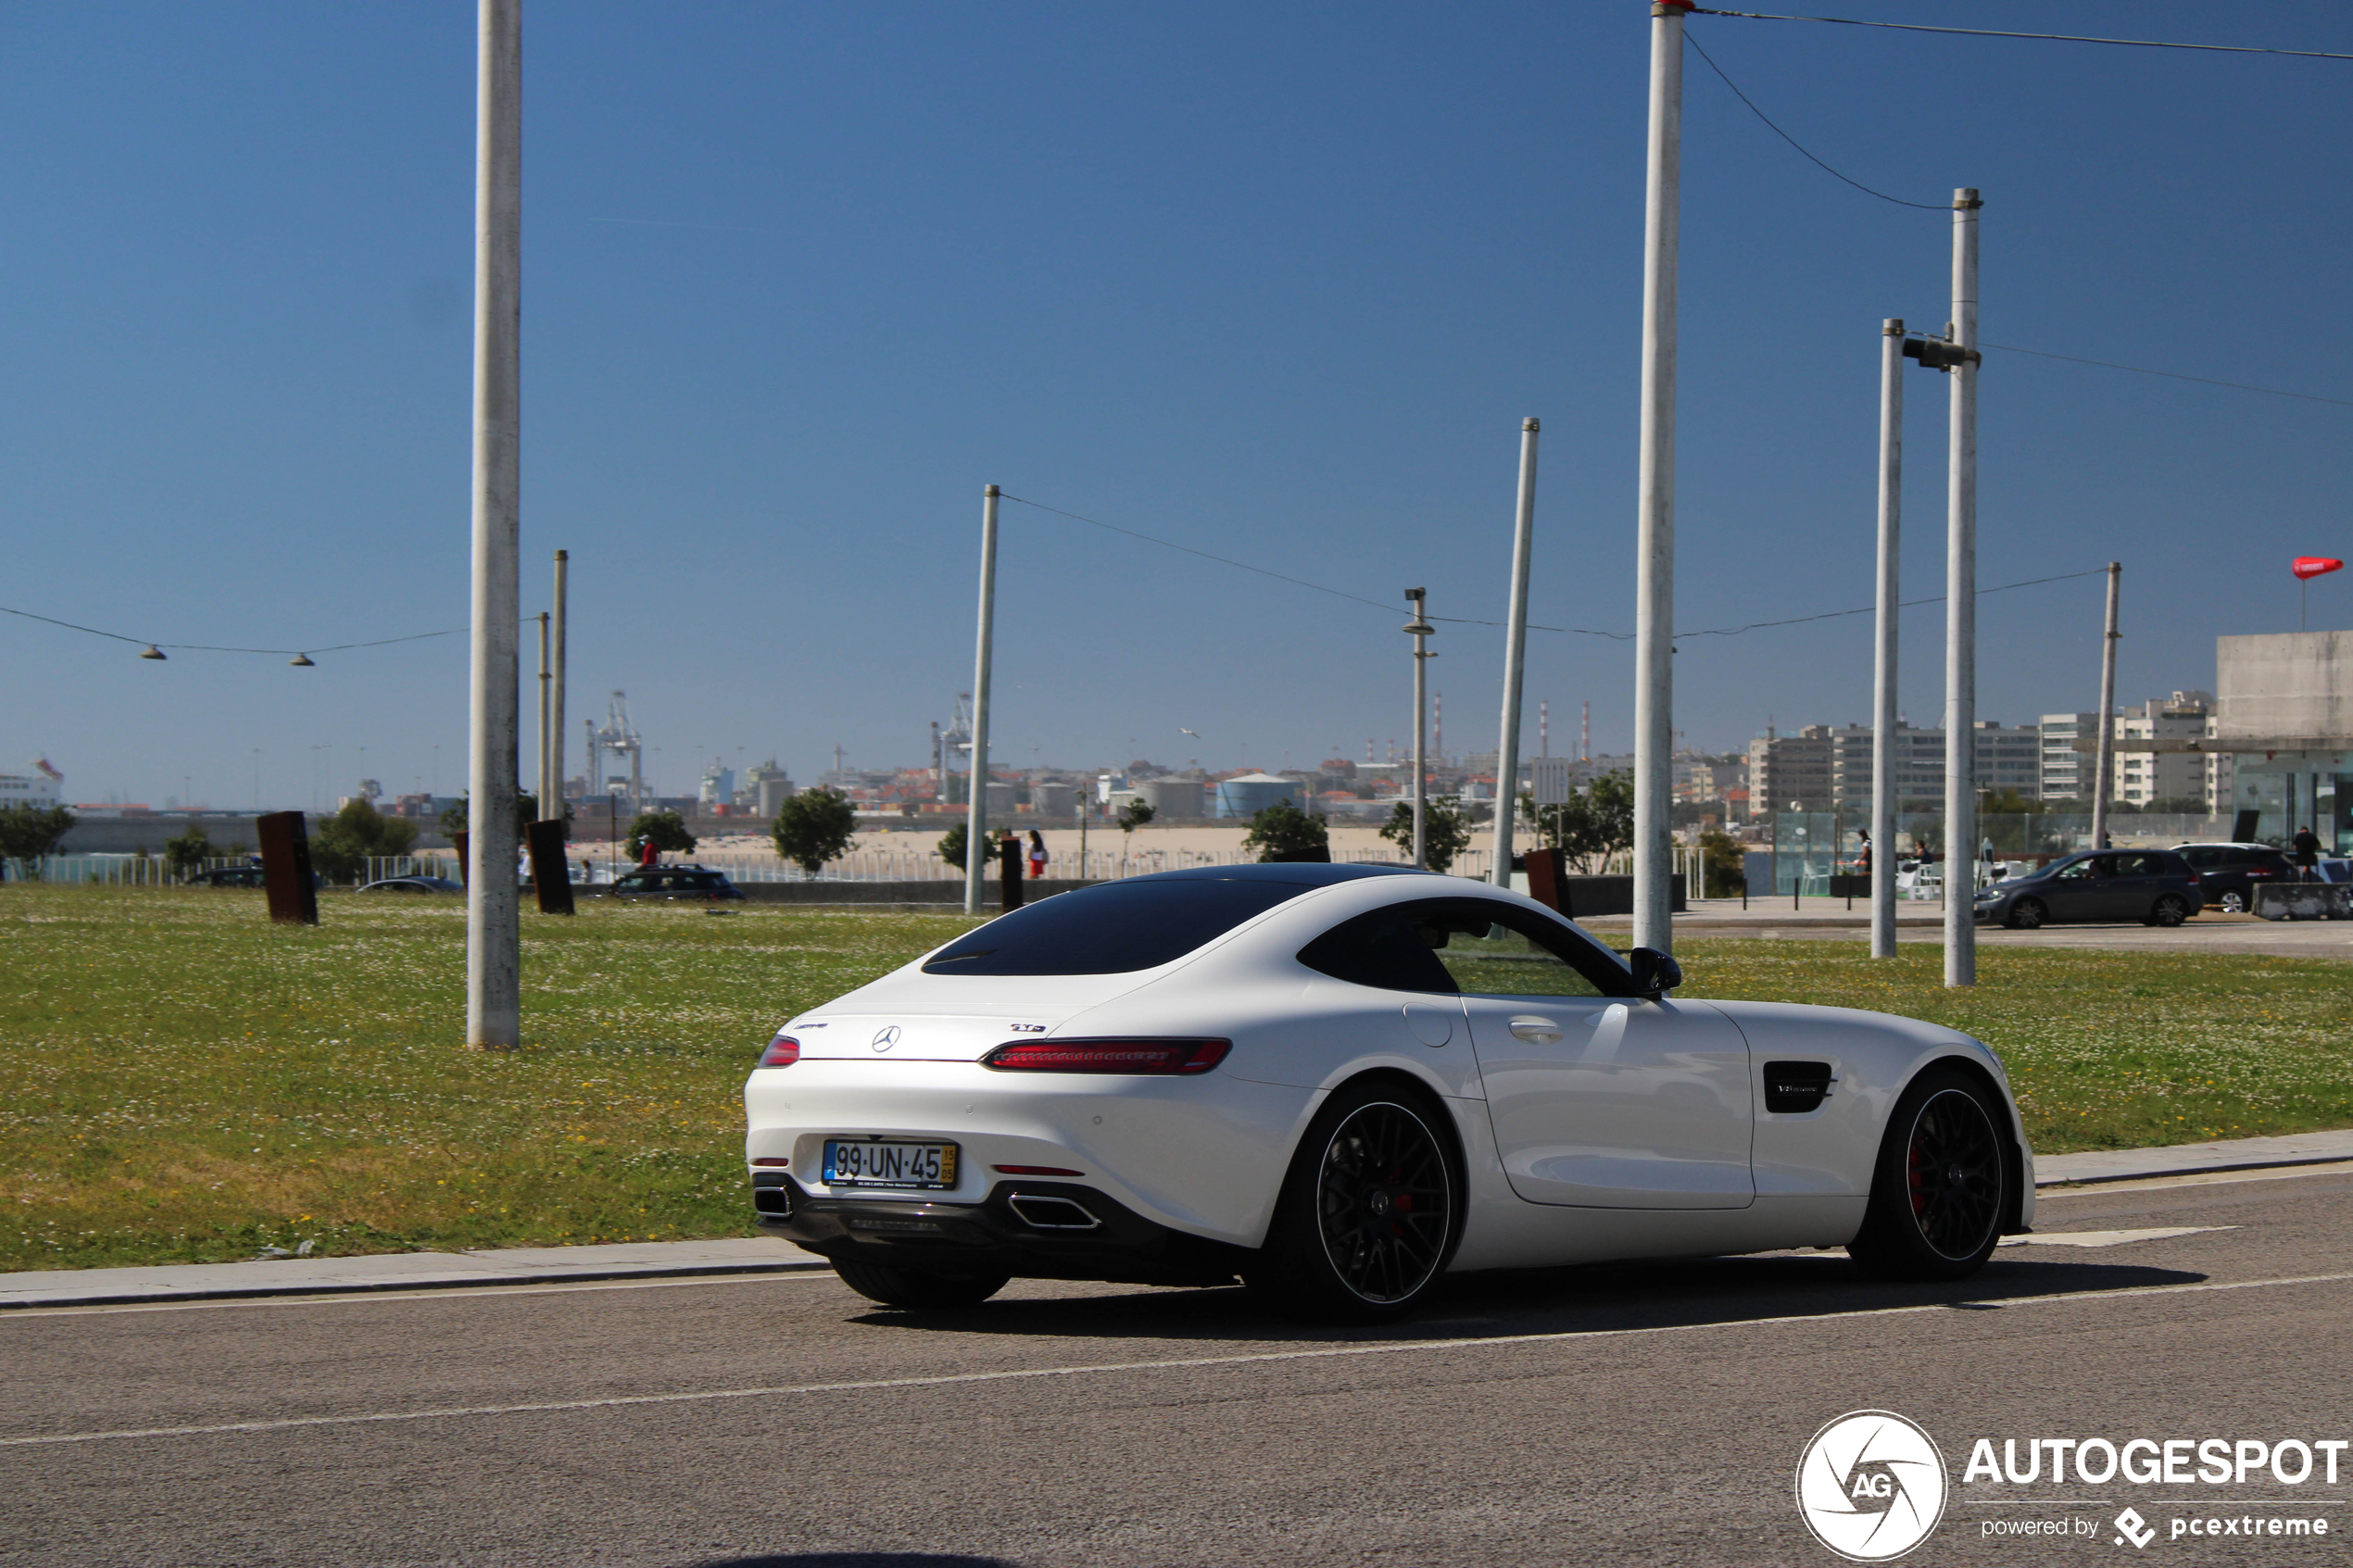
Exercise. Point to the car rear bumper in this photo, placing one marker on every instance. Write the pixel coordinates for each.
(1032, 1230)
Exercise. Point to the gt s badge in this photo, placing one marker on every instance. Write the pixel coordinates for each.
(1029, 1028)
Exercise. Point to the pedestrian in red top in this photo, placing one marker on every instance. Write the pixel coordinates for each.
(647, 854)
(1036, 855)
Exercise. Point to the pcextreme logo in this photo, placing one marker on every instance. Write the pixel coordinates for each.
(1871, 1486)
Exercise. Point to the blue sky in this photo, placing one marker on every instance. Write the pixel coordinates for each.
(1276, 280)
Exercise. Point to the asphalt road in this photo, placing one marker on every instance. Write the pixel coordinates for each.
(1627, 1414)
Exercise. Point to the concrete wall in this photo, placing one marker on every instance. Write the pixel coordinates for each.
(2289, 684)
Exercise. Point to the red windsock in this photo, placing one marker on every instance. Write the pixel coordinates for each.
(2309, 567)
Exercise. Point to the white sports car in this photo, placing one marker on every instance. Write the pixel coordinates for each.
(1342, 1081)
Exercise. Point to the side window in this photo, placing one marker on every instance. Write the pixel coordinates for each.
(2203, 859)
(2138, 865)
(2081, 871)
(1382, 949)
(1501, 961)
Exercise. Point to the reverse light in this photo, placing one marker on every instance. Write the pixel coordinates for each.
(782, 1051)
(1148, 1058)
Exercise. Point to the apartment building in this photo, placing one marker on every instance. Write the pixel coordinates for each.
(1822, 768)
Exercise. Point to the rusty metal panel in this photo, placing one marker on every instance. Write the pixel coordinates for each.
(550, 873)
(285, 868)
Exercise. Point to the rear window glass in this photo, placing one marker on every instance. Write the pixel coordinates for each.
(1111, 930)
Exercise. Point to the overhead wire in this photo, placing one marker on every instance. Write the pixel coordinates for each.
(1533, 626)
(2046, 37)
(1899, 201)
(215, 648)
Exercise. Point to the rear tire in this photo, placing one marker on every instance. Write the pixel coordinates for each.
(2027, 914)
(2168, 912)
(1940, 1184)
(895, 1287)
(2233, 903)
(1370, 1214)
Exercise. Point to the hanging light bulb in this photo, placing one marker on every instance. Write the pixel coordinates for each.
(152, 651)
(302, 661)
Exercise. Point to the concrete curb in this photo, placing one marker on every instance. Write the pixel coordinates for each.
(759, 1255)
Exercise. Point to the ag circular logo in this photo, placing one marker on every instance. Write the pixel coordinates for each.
(1871, 1486)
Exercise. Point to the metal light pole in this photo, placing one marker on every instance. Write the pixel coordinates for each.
(1891, 507)
(1421, 630)
(551, 808)
(1515, 658)
(493, 1002)
(1960, 611)
(2108, 707)
(976, 808)
(540, 789)
(1654, 571)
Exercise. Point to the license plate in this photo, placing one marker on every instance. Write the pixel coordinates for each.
(867, 1163)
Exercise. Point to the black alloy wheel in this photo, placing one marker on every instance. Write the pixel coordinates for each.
(2027, 914)
(2168, 912)
(1942, 1186)
(1382, 1203)
(1369, 1213)
(1952, 1174)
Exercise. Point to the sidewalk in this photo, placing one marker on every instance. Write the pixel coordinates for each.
(747, 1254)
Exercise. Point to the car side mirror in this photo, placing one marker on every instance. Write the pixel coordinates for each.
(1655, 972)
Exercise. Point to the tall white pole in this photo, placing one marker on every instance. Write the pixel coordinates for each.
(539, 787)
(1960, 612)
(2106, 752)
(1654, 571)
(551, 808)
(1515, 658)
(976, 810)
(493, 1002)
(1891, 507)
(1420, 628)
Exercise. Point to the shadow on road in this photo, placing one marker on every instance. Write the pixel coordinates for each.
(1601, 1297)
(858, 1560)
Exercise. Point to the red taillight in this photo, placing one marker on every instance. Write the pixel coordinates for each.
(777, 1159)
(1034, 1171)
(1156, 1058)
(782, 1051)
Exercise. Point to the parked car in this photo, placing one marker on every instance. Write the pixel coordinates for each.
(677, 884)
(414, 884)
(1343, 1083)
(2228, 872)
(240, 876)
(2154, 887)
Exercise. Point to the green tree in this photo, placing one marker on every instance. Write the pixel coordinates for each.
(1591, 824)
(665, 829)
(815, 827)
(27, 833)
(1283, 832)
(344, 842)
(1446, 830)
(186, 854)
(1724, 863)
(951, 846)
(1135, 814)
(454, 819)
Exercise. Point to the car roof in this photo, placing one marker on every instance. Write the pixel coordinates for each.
(2226, 844)
(1306, 874)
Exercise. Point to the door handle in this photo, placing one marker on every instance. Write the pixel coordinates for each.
(1540, 1031)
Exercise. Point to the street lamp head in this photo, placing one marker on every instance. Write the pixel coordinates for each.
(302, 661)
(151, 651)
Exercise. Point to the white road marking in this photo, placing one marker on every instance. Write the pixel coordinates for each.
(2107, 1238)
(1185, 1364)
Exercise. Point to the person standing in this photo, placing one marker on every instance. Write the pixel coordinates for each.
(2307, 845)
(647, 854)
(1036, 855)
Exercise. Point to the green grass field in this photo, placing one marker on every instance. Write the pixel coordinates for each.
(186, 1082)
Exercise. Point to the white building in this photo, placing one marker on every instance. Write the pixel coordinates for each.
(2143, 776)
(42, 788)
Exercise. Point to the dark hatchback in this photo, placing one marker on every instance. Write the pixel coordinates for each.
(677, 884)
(2154, 887)
(2230, 873)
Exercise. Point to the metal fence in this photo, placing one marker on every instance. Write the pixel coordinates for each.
(1809, 848)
